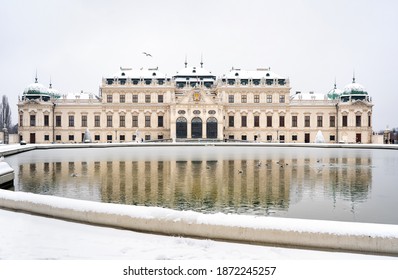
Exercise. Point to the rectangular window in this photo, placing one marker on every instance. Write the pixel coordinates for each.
(97, 138)
(109, 138)
(122, 121)
(122, 98)
(256, 121)
(231, 121)
(230, 98)
(147, 98)
(97, 121)
(332, 121)
(71, 138)
(281, 121)
(20, 120)
(58, 137)
(135, 98)
(344, 121)
(244, 137)
(46, 120)
(307, 121)
(147, 121)
(358, 120)
(160, 98)
(160, 121)
(269, 138)
(294, 137)
(319, 121)
(46, 137)
(32, 120)
(244, 98)
(256, 98)
(71, 121)
(332, 138)
(294, 121)
(135, 121)
(269, 121)
(109, 121)
(269, 98)
(282, 98)
(369, 121)
(58, 121)
(147, 137)
(244, 121)
(84, 121)
(122, 137)
(109, 98)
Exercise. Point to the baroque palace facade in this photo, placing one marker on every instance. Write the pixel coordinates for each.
(148, 105)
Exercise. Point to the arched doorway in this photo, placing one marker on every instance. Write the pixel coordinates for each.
(211, 127)
(196, 126)
(181, 127)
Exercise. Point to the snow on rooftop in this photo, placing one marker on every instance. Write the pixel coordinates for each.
(260, 73)
(309, 96)
(194, 71)
(142, 73)
(80, 95)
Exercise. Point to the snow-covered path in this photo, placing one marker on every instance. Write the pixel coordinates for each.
(25, 236)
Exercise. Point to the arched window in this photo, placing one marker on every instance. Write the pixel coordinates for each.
(181, 127)
(211, 128)
(196, 125)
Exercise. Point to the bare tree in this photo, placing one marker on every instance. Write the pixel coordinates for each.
(5, 113)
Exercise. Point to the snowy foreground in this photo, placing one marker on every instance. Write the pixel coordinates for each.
(25, 236)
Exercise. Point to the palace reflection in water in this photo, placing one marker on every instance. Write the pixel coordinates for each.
(252, 186)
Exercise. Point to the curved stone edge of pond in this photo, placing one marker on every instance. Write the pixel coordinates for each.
(7, 150)
(298, 233)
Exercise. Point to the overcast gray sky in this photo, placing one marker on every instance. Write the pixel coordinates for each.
(76, 43)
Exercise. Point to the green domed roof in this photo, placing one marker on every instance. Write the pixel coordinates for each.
(36, 89)
(53, 92)
(354, 89)
(334, 93)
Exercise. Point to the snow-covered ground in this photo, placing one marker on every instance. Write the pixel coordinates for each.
(25, 236)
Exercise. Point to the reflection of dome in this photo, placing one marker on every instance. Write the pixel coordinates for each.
(334, 93)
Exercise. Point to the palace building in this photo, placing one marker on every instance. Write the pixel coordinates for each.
(195, 105)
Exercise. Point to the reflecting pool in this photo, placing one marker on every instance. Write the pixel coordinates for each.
(313, 183)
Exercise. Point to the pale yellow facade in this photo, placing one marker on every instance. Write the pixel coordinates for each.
(195, 105)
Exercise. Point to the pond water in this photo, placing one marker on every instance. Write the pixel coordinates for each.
(312, 183)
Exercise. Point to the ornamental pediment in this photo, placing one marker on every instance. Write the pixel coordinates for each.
(360, 103)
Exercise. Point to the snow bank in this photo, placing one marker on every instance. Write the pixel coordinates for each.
(363, 237)
(6, 173)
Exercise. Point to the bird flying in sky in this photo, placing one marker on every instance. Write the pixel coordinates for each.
(147, 54)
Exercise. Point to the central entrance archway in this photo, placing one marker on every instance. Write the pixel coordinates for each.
(181, 127)
(211, 127)
(196, 126)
